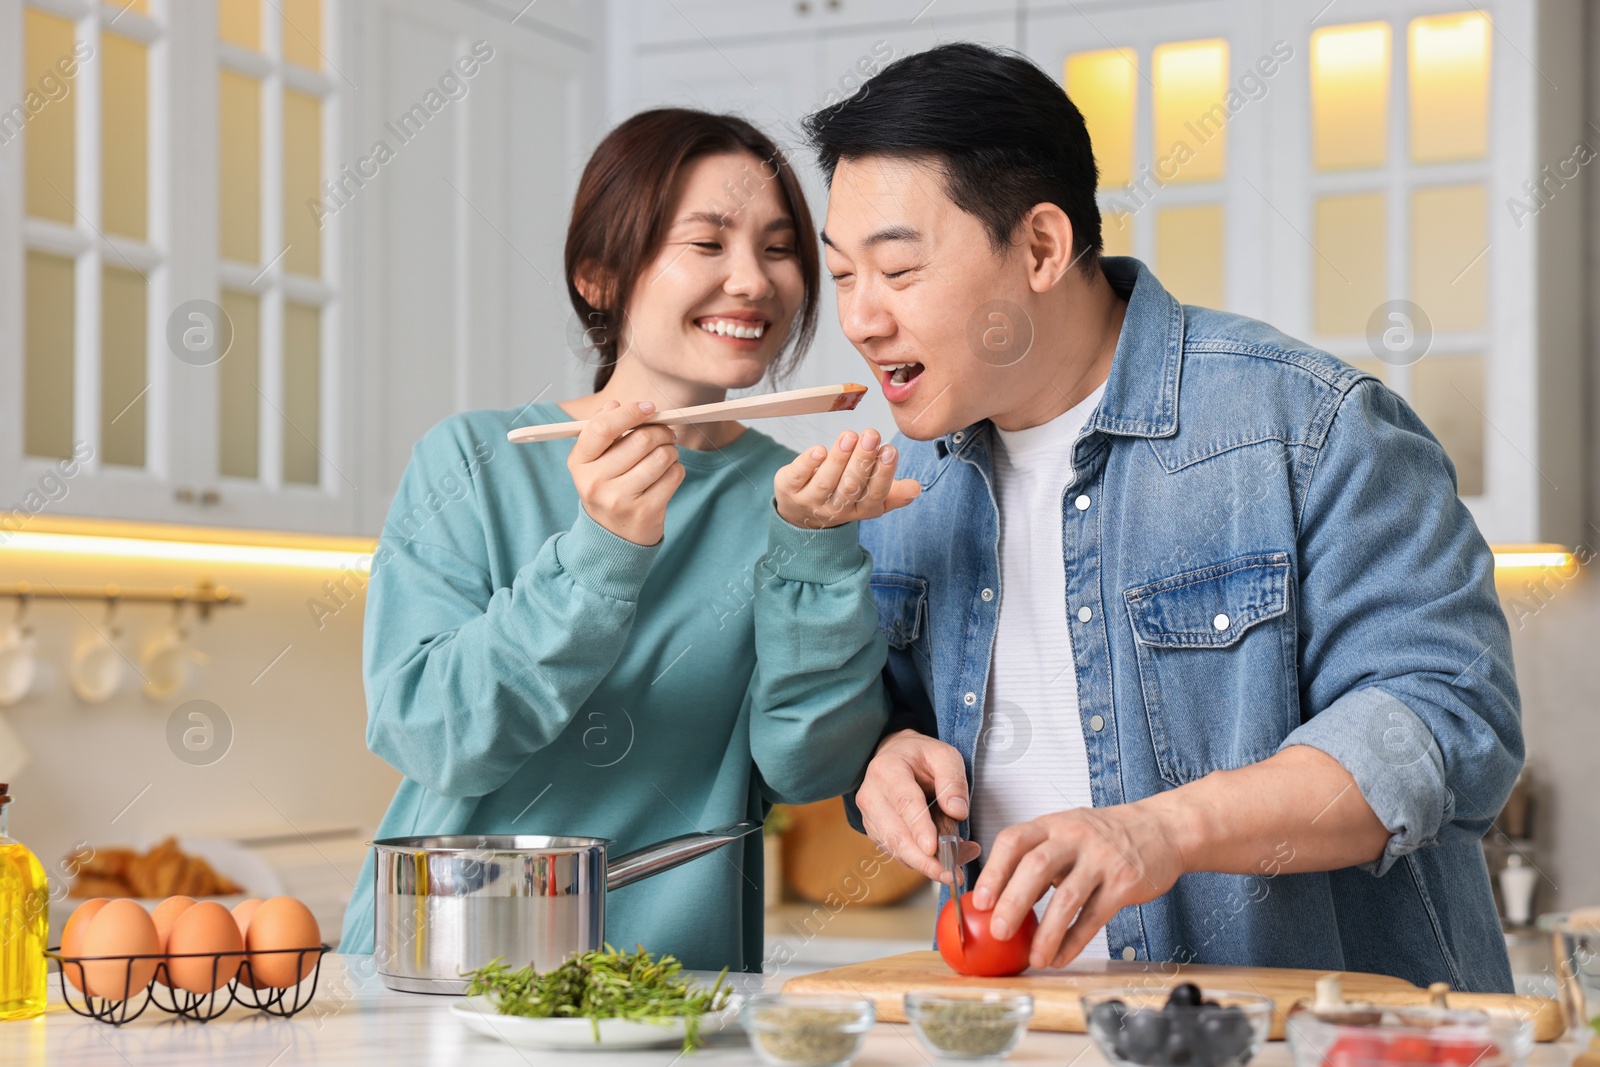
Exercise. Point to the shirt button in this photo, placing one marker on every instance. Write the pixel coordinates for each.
(1084, 614)
(958, 437)
(1096, 723)
(987, 594)
(1220, 622)
(970, 699)
(1082, 503)
(1129, 953)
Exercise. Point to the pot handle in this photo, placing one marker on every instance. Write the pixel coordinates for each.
(664, 855)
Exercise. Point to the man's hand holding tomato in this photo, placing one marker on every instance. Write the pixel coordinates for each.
(1298, 810)
(1099, 860)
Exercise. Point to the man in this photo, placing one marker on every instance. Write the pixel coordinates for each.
(1213, 586)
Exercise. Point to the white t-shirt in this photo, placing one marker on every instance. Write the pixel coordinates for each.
(1031, 758)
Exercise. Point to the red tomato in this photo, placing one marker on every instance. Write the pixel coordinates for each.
(1463, 1052)
(1356, 1051)
(985, 957)
(1409, 1048)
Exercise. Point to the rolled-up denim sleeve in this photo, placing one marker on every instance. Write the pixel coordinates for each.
(1405, 657)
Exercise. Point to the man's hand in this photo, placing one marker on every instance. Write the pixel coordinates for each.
(1297, 810)
(1100, 860)
(830, 487)
(907, 774)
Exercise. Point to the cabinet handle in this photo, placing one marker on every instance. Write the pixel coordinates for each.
(834, 5)
(183, 495)
(803, 7)
(209, 497)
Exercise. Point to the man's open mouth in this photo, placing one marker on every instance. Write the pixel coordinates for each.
(901, 373)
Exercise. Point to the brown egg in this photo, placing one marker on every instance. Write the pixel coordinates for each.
(280, 923)
(205, 927)
(165, 914)
(121, 928)
(72, 936)
(242, 913)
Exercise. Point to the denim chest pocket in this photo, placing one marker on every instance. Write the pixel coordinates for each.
(902, 607)
(1216, 653)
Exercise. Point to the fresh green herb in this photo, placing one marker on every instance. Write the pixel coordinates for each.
(604, 984)
(807, 1037)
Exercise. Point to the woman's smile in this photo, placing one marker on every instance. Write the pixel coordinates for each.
(744, 331)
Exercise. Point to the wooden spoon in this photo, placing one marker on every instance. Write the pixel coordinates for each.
(769, 406)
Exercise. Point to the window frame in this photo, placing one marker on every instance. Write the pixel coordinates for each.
(181, 259)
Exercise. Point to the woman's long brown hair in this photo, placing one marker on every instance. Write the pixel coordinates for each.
(620, 218)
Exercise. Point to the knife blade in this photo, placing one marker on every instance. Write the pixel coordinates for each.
(950, 859)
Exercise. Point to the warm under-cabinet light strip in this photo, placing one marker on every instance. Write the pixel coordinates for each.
(187, 551)
(1508, 557)
(353, 553)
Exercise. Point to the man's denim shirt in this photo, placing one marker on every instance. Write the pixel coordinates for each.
(1271, 551)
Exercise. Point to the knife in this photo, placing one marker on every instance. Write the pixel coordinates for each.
(950, 858)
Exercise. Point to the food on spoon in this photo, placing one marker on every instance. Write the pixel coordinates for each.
(984, 955)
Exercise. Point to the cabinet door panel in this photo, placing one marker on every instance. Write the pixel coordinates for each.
(1206, 75)
(696, 22)
(465, 297)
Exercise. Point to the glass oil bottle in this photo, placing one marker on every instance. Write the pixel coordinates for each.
(24, 925)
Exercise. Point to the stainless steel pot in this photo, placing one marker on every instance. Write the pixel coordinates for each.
(450, 904)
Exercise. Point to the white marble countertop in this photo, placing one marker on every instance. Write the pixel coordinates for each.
(355, 1020)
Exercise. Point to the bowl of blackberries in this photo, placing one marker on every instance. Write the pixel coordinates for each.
(1180, 1027)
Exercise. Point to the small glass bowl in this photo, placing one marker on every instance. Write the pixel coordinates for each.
(969, 1024)
(801, 1031)
(1135, 1028)
(1413, 1034)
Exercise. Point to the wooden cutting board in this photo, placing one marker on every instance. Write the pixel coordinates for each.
(1055, 993)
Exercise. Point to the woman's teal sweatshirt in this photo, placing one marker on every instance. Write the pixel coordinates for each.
(530, 672)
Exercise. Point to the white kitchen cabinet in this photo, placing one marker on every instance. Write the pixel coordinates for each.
(464, 290)
(179, 162)
(1497, 264)
(371, 292)
(697, 22)
(1328, 208)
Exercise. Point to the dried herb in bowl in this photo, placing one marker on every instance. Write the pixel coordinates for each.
(969, 1024)
(970, 1028)
(807, 1035)
(603, 984)
(807, 1031)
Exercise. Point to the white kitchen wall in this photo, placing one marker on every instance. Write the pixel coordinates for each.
(1555, 630)
(292, 693)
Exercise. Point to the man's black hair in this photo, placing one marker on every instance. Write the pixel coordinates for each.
(1006, 135)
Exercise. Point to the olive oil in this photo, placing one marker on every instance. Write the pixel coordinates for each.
(24, 925)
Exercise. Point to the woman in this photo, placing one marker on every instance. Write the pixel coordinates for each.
(562, 638)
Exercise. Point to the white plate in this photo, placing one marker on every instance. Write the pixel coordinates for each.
(578, 1034)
